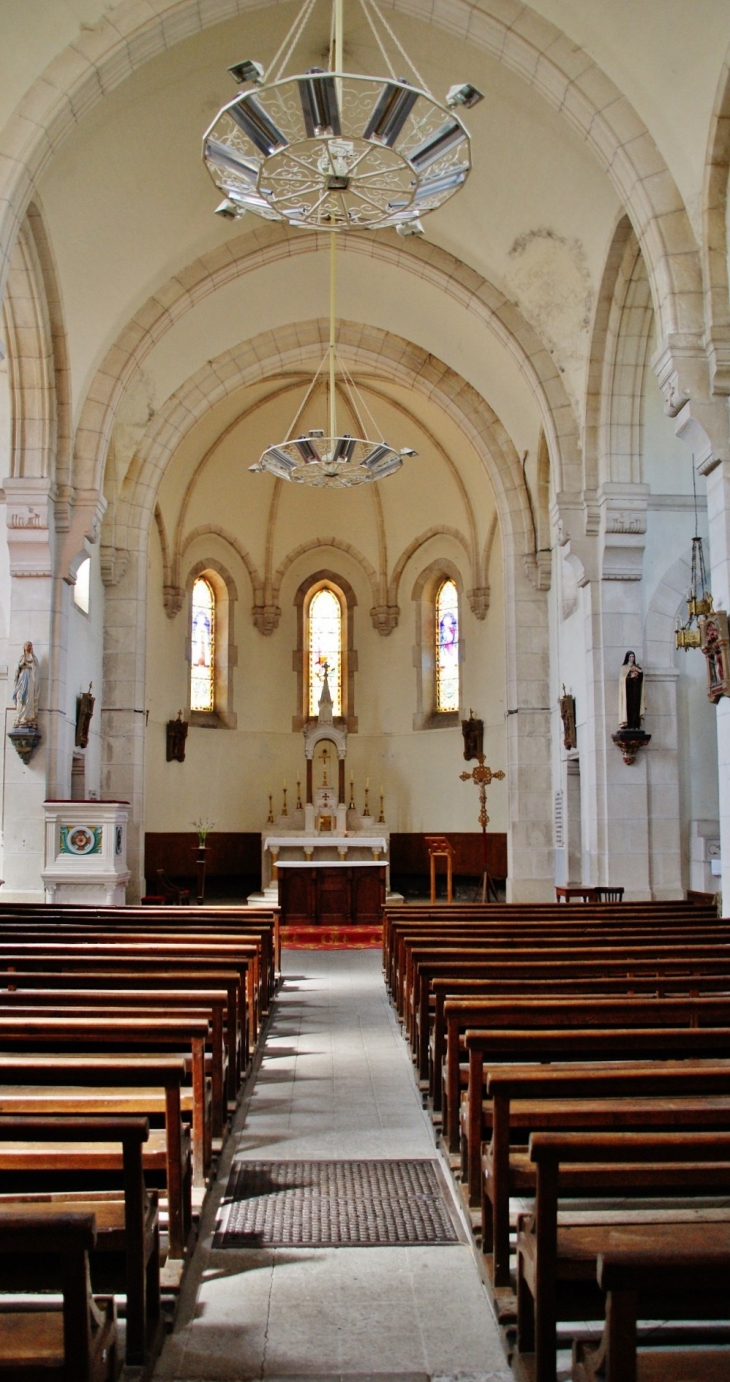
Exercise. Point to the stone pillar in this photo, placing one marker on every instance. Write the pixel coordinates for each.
(123, 715)
(718, 514)
(666, 850)
(529, 779)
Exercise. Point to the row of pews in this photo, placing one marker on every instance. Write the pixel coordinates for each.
(577, 1063)
(125, 1036)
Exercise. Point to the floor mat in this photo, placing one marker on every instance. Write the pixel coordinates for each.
(330, 1204)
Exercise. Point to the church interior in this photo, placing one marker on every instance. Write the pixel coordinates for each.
(364, 589)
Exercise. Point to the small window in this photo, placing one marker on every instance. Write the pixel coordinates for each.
(447, 648)
(81, 587)
(202, 665)
(325, 646)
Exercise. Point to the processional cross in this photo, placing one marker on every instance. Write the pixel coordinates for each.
(482, 776)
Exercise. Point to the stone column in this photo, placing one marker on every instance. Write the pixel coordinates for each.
(123, 715)
(718, 514)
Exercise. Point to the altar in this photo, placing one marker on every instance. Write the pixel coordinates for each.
(324, 861)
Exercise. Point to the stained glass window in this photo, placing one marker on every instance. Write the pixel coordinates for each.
(202, 662)
(325, 645)
(447, 647)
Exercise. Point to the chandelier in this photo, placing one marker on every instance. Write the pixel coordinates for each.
(333, 150)
(699, 598)
(334, 460)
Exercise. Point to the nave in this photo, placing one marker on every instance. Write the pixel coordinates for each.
(335, 1082)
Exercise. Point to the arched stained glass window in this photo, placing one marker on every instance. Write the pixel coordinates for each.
(202, 661)
(447, 647)
(325, 645)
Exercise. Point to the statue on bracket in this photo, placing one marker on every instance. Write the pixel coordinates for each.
(630, 736)
(84, 711)
(25, 735)
(177, 733)
(715, 644)
(567, 714)
(27, 689)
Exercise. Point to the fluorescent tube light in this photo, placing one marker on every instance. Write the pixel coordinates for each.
(438, 143)
(390, 113)
(251, 117)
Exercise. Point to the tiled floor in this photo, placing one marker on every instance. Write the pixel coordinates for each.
(335, 1082)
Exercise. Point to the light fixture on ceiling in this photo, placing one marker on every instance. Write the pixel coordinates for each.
(333, 150)
(699, 599)
(333, 460)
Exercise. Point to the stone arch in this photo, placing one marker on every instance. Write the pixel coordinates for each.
(715, 235)
(34, 339)
(271, 244)
(618, 359)
(339, 545)
(526, 43)
(349, 598)
(415, 546)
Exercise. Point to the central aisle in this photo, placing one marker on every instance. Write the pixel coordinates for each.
(335, 1082)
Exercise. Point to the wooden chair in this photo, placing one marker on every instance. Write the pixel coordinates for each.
(609, 894)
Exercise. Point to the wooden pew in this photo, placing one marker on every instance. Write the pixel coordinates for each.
(526, 1099)
(123, 1034)
(695, 1257)
(35, 1146)
(154, 976)
(588, 1045)
(77, 1343)
(209, 1004)
(113, 1085)
(587, 1011)
(556, 1263)
(554, 979)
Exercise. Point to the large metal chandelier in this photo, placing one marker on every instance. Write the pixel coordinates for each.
(334, 460)
(333, 150)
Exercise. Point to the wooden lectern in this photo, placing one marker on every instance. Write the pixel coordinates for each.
(440, 848)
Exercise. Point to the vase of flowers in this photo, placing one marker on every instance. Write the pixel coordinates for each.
(203, 827)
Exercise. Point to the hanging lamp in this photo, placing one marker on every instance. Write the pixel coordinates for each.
(699, 598)
(334, 150)
(329, 458)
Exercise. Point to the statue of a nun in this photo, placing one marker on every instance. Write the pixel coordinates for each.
(27, 688)
(630, 694)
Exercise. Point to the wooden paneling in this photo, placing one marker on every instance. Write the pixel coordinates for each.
(230, 854)
(409, 854)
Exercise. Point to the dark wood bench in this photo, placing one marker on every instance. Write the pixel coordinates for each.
(123, 1035)
(524, 1099)
(112, 1085)
(557, 1260)
(77, 1343)
(692, 1258)
(127, 1227)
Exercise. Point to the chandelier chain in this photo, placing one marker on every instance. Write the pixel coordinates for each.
(394, 38)
(378, 39)
(355, 391)
(306, 398)
(295, 30)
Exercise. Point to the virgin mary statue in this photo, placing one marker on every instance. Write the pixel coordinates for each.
(27, 688)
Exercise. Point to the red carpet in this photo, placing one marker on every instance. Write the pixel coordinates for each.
(332, 937)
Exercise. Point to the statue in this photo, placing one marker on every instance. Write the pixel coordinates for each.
(715, 644)
(473, 732)
(567, 715)
(26, 692)
(630, 694)
(84, 711)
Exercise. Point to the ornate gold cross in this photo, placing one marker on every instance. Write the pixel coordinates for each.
(482, 776)
(325, 757)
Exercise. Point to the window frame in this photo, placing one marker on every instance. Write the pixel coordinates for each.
(225, 653)
(425, 592)
(348, 602)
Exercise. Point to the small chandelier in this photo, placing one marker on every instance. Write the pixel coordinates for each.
(333, 150)
(699, 598)
(333, 460)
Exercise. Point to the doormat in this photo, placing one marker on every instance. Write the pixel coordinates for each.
(331, 937)
(336, 1204)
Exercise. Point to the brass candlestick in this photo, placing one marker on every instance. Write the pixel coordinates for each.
(270, 817)
(381, 817)
(351, 806)
(299, 795)
(366, 812)
(284, 811)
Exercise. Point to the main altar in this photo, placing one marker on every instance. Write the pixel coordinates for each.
(324, 861)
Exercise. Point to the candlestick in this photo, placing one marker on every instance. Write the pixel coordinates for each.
(351, 806)
(366, 812)
(270, 817)
(284, 810)
(299, 795)
(381, 817)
